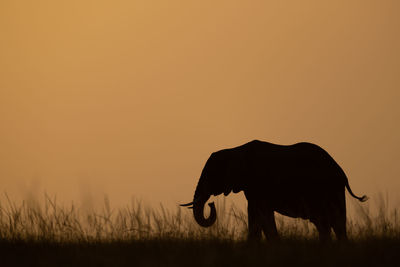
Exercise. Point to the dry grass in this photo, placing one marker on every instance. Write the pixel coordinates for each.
(50, 221)
(52, 234)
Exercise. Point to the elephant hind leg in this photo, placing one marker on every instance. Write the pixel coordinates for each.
(340, 230)
(339, 222)
(324, 230)
(339, 225)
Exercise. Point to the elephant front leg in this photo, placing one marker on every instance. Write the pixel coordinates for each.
(269, 226)
(254, 223)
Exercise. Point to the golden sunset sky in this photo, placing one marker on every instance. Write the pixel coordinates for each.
(129, 98)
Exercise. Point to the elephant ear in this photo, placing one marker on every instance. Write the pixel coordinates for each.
(236, 173)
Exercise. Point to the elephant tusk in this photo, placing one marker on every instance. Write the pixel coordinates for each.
(187, 204)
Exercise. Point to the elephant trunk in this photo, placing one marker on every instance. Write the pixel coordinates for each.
(198, 212)
(200, 198)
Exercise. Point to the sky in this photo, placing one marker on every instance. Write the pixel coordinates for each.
(129, 98)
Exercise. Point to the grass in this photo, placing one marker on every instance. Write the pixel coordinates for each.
(52, 234)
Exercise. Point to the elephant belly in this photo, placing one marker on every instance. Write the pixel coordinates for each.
(297, 209)
(294, 213)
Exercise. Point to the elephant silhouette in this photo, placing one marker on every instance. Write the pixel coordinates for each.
(300, 181)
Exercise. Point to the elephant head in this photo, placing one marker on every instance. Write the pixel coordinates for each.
(220, 174)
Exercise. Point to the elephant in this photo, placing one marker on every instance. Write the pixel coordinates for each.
(300, 180)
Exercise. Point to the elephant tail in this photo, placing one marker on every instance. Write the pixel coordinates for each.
(362, 199)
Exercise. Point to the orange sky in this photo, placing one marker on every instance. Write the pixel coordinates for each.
(129, 98)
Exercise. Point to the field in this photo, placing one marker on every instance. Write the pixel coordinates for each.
(52, 234)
